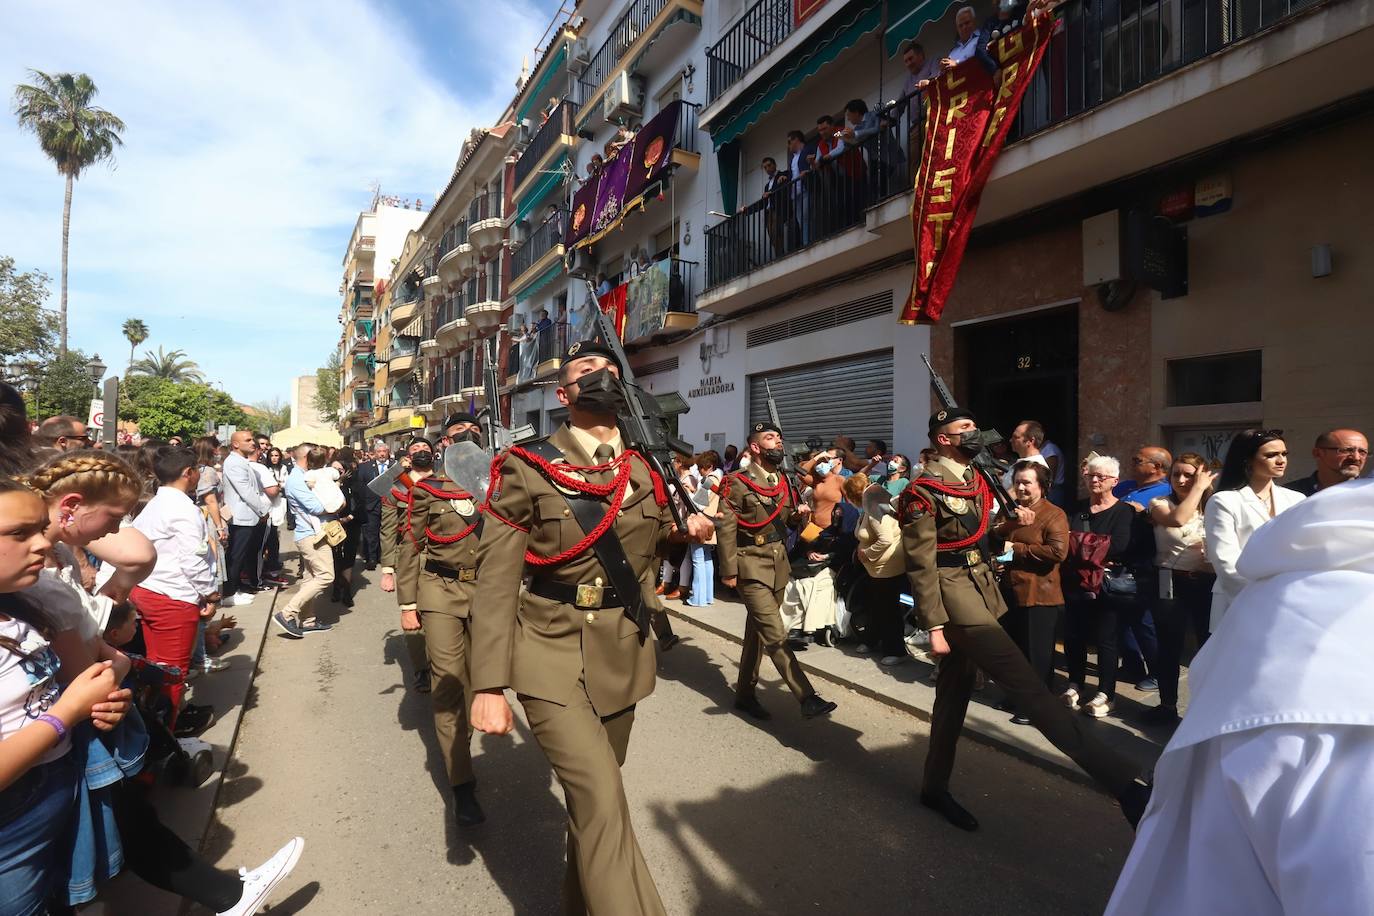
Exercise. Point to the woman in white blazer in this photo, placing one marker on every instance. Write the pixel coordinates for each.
(1247, 496)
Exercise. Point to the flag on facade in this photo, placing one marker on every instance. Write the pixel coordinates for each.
(969, 112)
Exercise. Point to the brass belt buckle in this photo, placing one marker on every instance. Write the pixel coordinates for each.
(468, 574)
(588, 596)
(973, 557)
(760, 540)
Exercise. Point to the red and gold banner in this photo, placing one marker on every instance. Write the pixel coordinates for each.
(969, 114)
(614, 304)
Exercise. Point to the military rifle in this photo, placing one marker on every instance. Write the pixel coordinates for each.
(788, 469)
(644, 425)
(984, 465)
(498, 438)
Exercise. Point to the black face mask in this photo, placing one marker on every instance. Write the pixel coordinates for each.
(470, 435)
(600, 392)
(424, 460)
(773, 456)
(971, 443)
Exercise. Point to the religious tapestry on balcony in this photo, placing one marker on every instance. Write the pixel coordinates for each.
(601, 203)
(969, 112)
(646, 302)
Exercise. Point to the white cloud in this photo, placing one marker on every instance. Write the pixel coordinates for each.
(253, 132)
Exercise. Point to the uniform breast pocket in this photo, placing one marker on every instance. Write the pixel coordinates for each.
(554, 527)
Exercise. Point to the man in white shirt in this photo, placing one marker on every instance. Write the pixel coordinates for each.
(249, 504)
(1262, 798)
(182, 586)
(1025, 441)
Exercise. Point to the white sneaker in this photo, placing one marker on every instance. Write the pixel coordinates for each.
(258, 883)
(1098, 706)
(1070, 697)
(238, 599)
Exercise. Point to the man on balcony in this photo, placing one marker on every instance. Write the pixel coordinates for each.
(799, 164)
(969, 43)
(919, 72)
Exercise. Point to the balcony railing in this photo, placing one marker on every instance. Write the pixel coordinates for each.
(451, 309)
(541, 241)
(480, 289)
(763, 27)
(484, 206)
(626, 31)
(559, 124)
(467, 373)
(403, 346)
(513, 358)
(453, 236)
(553, 341)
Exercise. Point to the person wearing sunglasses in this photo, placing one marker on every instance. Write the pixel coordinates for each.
(1340, 454)
(64, 433)
(1247, 496)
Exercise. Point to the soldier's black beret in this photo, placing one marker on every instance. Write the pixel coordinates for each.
(453, 418)
(949, 415)
(765, 426)
(585, 348)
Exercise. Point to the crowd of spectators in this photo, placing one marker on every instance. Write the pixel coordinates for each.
(114, 565)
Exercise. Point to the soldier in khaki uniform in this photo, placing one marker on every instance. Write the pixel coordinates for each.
(757, 505)
(395, 505)
(565, 645)
(436, 579)
(945, 515)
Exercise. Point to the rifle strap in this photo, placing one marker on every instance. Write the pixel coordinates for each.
(610, 553)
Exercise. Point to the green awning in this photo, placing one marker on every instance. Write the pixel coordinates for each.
(906, 18)
(727, 167)
(819, 50)
(539, 96)
(542, 186)
(553, 273)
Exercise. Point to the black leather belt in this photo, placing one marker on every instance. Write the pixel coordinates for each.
(584, 597)
(757, 539)
(959, 559)
(461, 573)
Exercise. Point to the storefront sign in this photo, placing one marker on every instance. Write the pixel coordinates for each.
(710, 385)
(1212, 195)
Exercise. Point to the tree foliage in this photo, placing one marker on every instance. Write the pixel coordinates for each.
(327, 388)
(62, 387)
(135, 332)
(164, 408)
(172, 365)
(276, 414)
(28, 331)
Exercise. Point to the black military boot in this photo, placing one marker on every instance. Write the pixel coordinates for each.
(465, 805)
(814, 706)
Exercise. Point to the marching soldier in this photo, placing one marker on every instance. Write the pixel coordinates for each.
(435, 584)
(586, 520)
(395, 506)
(945, 515)
(757, 508)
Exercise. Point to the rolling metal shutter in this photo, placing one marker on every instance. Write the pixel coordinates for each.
(850, 396)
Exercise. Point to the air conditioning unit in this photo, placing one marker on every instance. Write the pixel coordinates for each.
(624, 98)
(581, 266)
(579, 55)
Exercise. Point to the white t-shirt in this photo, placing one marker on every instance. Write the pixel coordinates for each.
(269, 478)
(1050, 450)
(28, 686)
(59, 593)
(1011, 471)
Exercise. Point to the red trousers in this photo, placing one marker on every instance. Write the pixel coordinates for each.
(169, 633)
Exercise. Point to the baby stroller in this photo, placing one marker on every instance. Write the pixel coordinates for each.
(171, 760)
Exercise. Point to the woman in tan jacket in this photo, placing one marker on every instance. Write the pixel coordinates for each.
(880, 538)
(1039, 536)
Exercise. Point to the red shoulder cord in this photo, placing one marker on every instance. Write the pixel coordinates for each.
(458, 493)
(781, 492)
(978, 488)
(559, 476)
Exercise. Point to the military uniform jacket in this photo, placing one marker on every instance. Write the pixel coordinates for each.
(437, 560)
(543, 648)
(394, 507)
(746, 542)
(945, 507)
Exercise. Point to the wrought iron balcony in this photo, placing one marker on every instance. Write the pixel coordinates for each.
(546, 238)
(626, 31)
(763, 27)
(551, 134)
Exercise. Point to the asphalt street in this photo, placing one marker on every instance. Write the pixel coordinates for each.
(786, 817)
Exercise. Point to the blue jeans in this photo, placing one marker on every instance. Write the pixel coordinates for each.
(35, 815)
(703, 576)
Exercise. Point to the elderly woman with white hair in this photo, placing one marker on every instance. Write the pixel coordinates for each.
(1091, 613)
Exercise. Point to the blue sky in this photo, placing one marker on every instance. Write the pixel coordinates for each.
(254, 131)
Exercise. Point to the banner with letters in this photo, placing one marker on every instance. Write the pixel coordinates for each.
(969, 113)
(601, 203)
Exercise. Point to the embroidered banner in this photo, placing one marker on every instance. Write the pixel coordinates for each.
(601, 203)
(953, 171)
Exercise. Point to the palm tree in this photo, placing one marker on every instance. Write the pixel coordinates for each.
(135, 332)
(173, 366)
(73, 133)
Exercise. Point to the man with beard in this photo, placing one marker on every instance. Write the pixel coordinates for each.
(587, 520)
(1340, 454)
(757, 507)
(945, 515)
(436, 579)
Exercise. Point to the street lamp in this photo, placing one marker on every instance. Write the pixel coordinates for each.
(96, 369)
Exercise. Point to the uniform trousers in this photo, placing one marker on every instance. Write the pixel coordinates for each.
(987, 646)
(765, 634)
(606, 874)
(446, 644)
